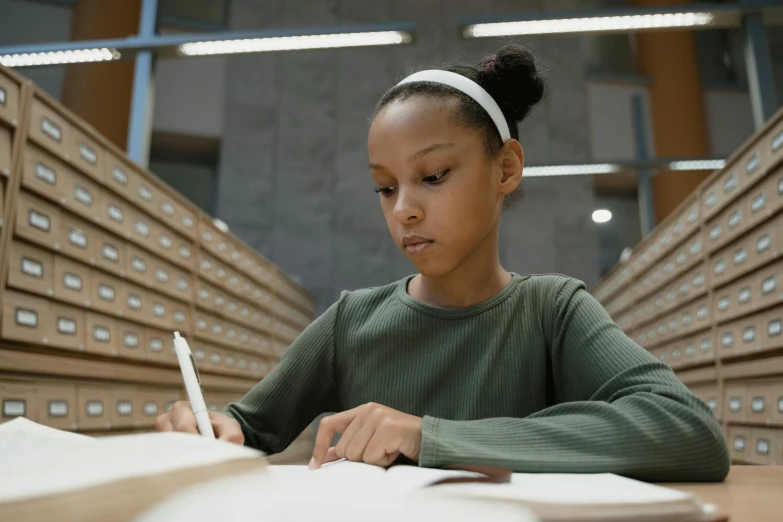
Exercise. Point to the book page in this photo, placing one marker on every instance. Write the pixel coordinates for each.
(35, 462)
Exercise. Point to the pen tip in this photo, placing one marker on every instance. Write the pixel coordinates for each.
(176, 335)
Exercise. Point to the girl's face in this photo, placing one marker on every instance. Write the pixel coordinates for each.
(440, 191)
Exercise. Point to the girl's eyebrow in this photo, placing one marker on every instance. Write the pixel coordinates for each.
(420, 154)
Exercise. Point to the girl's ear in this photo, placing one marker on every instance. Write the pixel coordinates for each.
(512, 161)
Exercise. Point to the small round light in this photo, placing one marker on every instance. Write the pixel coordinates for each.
(602, 216)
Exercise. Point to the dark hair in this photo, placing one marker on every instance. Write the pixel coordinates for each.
(509, 76)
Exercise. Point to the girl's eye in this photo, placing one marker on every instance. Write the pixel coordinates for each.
(385, 191)
(435, 178)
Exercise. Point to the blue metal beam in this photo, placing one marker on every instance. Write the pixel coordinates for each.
(644, 174)
(142, 95)
(761, 81)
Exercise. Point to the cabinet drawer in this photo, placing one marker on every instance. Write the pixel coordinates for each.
(31, 268)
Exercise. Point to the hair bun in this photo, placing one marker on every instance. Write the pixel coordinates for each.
(511, 78)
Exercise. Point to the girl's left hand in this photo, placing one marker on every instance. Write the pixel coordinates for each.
(371, 433)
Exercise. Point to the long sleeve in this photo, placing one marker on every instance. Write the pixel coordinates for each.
(617, 409)
(276, 410)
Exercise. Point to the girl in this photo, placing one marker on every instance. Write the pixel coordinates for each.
(466, 363)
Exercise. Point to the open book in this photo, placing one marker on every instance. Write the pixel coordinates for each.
(58, 475)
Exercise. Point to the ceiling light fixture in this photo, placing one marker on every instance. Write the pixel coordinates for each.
(712, 164)
(295, 43)
(602, 216)
(571, 170)
(634, 22)
(102, 54)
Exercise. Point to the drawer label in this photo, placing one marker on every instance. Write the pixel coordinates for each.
(749, 334)
(231, 333)
(777, 142)
(139, 265)
(753, 163)
(150, 409)
(758, 203)
(145, 193)
(762, 447)
(66, 326)
(134, 302)
(199, 354)
(94, 408)
(184, 252)
(684, 288)
(744, 295)
(115, 213)
(242, 364)
(51, 129)
(106, 292)
(39, 220)
(32, 268)
(727, 340)
(229, 360)
(693, 215)
(739, 443)
(77, 237)
(203, 294)
(2, 97)
(233, 281)
(101, 334)
(130, 340)
(698, 280)
(124, 408)
(243, 338)
(82, 195)
(187, 221)
(159, 310)
(730, 183)
(713, 404)
(715, 232)
(26, 318)
(687, 319)
(769, 284)
(110, 253)
(201, 324)
(142, 228)
(220, 273)
(119, 176)
(156, 345)
(774, 328)
(58, 408)
(164, 241)
(735, 404)
(723, 304)
(222, 246)
(217, 329)
(676, 354)
(183, 284)
(214, 358)
(14, 408)
(161, 275)
(206, 265)
(740, 256)
(87, 154)
(179, 317)
(244, 312)
(701, 313)
(169, 405)
(207, 235)
(712, 198)
(780, 405)
(72, 282)
(167, 208)
(735, 218)
(667, 239)
(45, 173)
(758, 404)
(763, 243)
(219, 301)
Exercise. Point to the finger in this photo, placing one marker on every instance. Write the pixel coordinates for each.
(184, 420)
(380, 450)
(326, 430)
(331, 456)
(348, 435)
(355, 449)
(163, 423)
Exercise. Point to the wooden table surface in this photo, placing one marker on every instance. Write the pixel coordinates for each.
(750, 493)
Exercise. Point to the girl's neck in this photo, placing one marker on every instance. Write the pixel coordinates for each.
(476, 279)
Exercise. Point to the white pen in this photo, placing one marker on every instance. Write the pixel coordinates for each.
(192, 385)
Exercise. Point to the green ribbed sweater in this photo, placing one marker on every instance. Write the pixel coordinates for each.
(536, 379)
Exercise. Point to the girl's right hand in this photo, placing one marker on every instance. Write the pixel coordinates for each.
(181, 418)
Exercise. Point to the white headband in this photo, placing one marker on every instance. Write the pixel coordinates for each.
(469, 87)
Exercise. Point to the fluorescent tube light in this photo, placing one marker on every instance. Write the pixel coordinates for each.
(59, 57)
(697, 164)
(590, 24)
(295, 43)
(571, 170)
